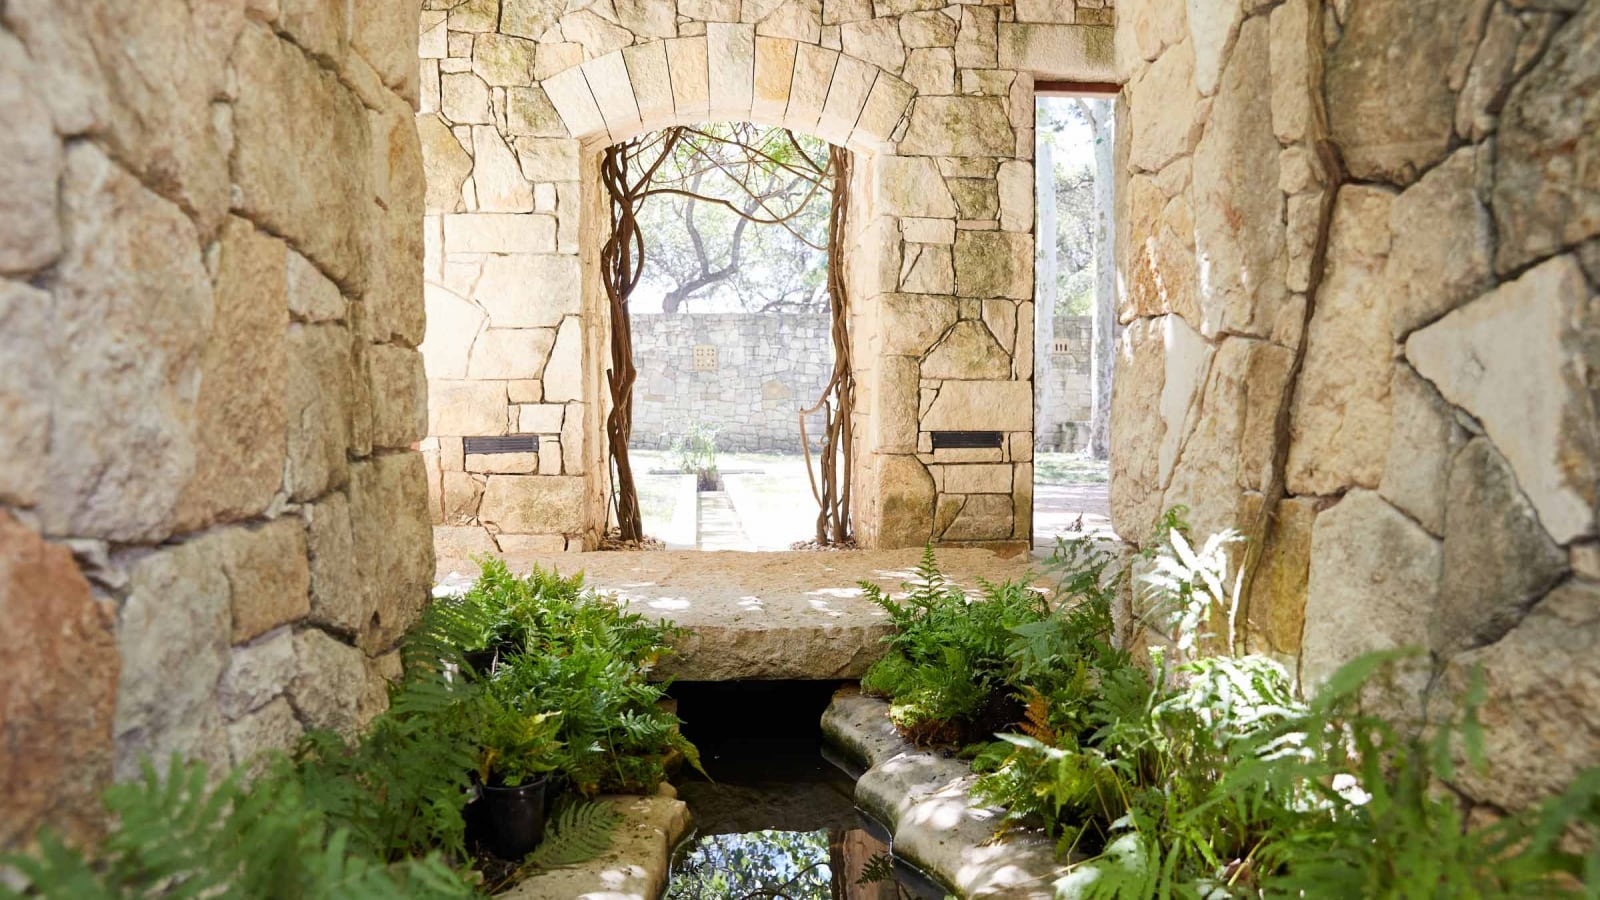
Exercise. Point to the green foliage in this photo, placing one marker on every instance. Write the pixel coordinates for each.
(948, 658)
(695, 450)
(580, 831)
(175, 838)
(572, 680)
(762, 865)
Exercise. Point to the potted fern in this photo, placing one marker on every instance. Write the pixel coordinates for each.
(516, 751)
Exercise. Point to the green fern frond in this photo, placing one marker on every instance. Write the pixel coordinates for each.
(581, 832)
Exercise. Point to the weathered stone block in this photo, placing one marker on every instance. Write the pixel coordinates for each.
(392, 544)
(25, 393)
(981, 406)
(1442, 238)
(1068, 52)
(320, 393)
(330, 680)
(994, 264)
(257, 673)
(532, 504)
(522, 290)
(400, 396)
(499, 233)
(958, 126)
(30, 167)
(467, 408)
(967, 351)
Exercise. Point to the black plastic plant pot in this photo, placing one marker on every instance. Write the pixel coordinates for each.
(482, 661)
(512, 818)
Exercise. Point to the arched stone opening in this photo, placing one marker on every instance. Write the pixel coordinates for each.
(940, 265)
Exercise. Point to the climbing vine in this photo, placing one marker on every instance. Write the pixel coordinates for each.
(776, 177)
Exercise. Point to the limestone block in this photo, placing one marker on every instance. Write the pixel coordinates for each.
(1276, 615)
(1384, 134)
(1164, 126)
(1540, 723)
(453, 326)
(1423, 440)
(131, 311)
(1442, 239)
(981, 406)
(496, 175)
(432, 32)
(533, 543)
(904, 495)
(540, 418)
(652, 83)
(893, 404)
(911, 186)
(569, 93)
(503, 463)
(300, 154)
(1546, 178)
(524, 18)
(928, 231)
(648, 18)
(240, 419)
(597, 35)
(1213, 24)
(257, 673)
(931, 71)
(30, 167)
(329, 681)
(466, 408)
(556, 58)
(445, 163)
(798, 20)
(1294, 91)
(884, 110)
(529, 113)
(852, 80)
(499, 233)
(563, 375)
(1186, 357)
(172, 636)
(1151, 26)
(534, 504)
(774, 72)
(927, 269)
(1161, 252)
(1498, 560)
(393, 552)
(25, 392)
(464, 99)
(400, 395)
(1235, 175)
(691, 92)
(813, 76)
(461, 495)
(967, 351)
(479, 15)
(977, 42)
(976, 479)
(1016, 196)
(506, 353)
(459, 543)
(1136, 392)
(573, 430)
(910, 324)
(60, 675)
(339, 602)
(837, 11)
(1340, 422)
(994, 264)
(958, 126)
(982, 517)
(267, 574)
(613, 93)
(523, 290)
(1068, 52)
(273, 727)
(876, 41)
(1515, 360)
(1373, 585)
(502, 60)
(546, 160)
(385, 34)
(394, 245)
(312, 297)
(976, 198)
(320, 393)
(730, 58)
(932, 28)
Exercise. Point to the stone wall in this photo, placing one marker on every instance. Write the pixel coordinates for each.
(518, 99)
(1064, 425)
(767, 368)
(212, 530)
(1384, 373)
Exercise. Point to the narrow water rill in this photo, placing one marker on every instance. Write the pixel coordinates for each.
(777, 818)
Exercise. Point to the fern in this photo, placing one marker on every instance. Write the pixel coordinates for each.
(581, 831)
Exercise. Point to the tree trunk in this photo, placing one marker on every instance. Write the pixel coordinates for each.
(1102, 356)
(1046, 421)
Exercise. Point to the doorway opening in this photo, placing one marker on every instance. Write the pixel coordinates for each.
(1075, 324)
(731, 386)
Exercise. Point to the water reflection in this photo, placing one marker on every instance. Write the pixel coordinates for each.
(786, 865)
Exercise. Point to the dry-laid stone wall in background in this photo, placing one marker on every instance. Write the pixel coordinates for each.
(763, 369)
(520, 96)
(1361, 249)
(1064, 424)
(212, 526)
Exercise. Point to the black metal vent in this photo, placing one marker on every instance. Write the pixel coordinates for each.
(511, 443)
(967, 440)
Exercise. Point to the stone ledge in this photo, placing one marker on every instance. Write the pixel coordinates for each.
(922, 798)
(635, 868)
